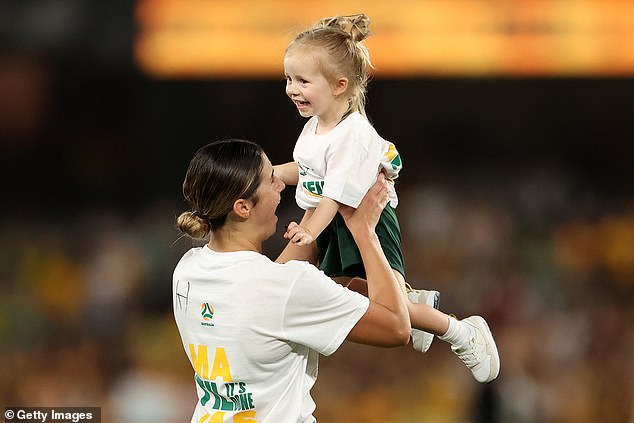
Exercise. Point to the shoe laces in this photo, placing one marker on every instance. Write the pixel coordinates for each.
(472, 354)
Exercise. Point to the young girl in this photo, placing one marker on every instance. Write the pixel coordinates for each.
(337, 158)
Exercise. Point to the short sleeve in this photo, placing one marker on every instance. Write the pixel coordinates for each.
(352, 167)
(320, 313)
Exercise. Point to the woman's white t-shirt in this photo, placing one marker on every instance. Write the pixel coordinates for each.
(253, 330)
(344, 163)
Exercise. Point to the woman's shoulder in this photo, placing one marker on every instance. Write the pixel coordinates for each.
(295, 270)
(295, 266)
(188, 255)
(256, 264)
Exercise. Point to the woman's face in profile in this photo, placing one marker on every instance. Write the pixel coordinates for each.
(268, 199)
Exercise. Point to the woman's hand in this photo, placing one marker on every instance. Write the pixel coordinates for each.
(366, 216)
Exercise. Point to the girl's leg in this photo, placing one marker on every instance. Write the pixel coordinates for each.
(423, 316)
(355, 284)
(471, 339)
(426, 320)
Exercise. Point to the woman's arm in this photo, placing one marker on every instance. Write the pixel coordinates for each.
(386, 322)
(287, 172)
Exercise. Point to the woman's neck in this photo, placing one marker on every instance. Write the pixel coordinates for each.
(227, 241)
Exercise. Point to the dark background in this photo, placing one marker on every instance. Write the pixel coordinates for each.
(121, 139)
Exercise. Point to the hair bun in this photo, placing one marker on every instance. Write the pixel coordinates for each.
(193, 224)
(355, 25)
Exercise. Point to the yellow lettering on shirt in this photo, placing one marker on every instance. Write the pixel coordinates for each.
(221, 366)
(245, 417)
(218, 417)
(199, 360)
(241, 417)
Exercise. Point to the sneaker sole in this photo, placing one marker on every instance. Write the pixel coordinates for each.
(492, 348)
(425, 339)
(436, 300)
(432, 300)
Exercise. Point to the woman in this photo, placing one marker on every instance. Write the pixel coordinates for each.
(253, 328)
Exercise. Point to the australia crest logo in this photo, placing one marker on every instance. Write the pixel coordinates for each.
(207, 313)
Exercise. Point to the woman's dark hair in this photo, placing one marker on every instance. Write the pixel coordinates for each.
(219, 174)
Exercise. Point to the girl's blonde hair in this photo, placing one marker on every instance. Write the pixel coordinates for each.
(340, 39)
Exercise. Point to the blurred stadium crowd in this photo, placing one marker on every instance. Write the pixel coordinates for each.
(86, 320)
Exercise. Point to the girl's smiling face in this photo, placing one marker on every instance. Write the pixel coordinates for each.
(306, 86)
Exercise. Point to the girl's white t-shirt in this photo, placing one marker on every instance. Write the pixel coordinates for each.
(344, 163)
(253, 330)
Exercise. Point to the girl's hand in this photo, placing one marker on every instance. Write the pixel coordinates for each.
(298, 234)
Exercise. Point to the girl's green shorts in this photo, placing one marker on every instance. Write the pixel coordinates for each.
(340, 256)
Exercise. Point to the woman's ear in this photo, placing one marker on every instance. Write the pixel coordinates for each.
(340, 86)
(242, 208)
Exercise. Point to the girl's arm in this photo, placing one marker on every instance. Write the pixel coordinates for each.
(287, 172)
(312, 227)
(294, 252)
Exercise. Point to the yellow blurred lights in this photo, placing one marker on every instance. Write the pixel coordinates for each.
(247, 38)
